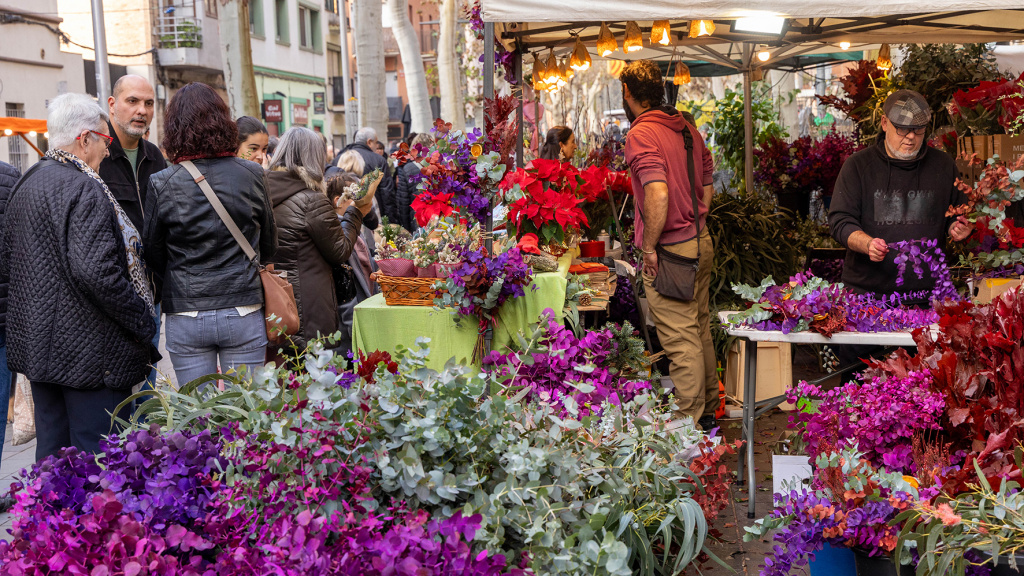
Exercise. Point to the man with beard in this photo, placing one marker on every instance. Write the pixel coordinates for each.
(673, 188)
(898, 189)
(132, 159)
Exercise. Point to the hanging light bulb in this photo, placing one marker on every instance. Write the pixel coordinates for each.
(606, 43)
(844, 45)
(567, 71)
(551, 70)
(764, 55)
(8, 132)
(700, 28)
(682, 75)
(634, 38)
(580, 59)
(884, 62)
(32, 134)
(661, 32)
(46, 134)
(538, 71)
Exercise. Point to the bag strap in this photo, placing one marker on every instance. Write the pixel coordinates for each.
(218, 207)
(688, 141)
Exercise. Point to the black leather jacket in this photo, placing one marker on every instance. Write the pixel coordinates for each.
(73, 318)
(130, 186)
(189, 247)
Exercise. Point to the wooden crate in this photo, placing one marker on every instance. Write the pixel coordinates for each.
(1009, 148)
(990, 288)
(774, 371)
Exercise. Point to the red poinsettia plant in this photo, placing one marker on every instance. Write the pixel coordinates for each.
(545, 199)
(602, 184)
(989, 107)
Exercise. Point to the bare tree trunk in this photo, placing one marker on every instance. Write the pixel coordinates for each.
(372, 92)
(236, 52)
(452, 101)
(412, 63)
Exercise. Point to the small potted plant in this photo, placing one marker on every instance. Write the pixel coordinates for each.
(391, 253)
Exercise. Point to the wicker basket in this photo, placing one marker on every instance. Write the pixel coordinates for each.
(407, 291)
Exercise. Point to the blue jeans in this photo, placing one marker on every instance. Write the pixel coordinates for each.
(196, 344)
(5, 389)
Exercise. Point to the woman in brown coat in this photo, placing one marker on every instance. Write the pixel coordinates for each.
(311, 237)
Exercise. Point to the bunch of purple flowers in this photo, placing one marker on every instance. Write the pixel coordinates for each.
(481, 283)
(880, 416)
(563, 366)
(921, 253)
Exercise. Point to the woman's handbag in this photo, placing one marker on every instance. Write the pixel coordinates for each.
(344, 283)
(280, 309)
(677, 275)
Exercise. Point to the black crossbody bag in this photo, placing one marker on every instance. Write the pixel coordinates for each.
(677, 275)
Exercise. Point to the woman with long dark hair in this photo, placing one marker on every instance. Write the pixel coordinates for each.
(560, 144)
(253, 140)
(212, 293)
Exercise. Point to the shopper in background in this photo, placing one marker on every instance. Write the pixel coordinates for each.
(559, 144)
(364, 144)
(271, 148)
(352, 163)
(9, 176)
(407, 182)
(312, 237)
(80, 311)
(252, 140)
(212, 293)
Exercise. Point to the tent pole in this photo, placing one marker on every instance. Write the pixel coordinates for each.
(748, 133)
(488, 59)
(520, 93)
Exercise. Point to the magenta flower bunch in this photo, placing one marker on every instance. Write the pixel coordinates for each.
(562, 366)
(880, 416)
(921, 254)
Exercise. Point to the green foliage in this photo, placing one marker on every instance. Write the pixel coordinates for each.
(727, 126)
(938, 71)
(616, 503)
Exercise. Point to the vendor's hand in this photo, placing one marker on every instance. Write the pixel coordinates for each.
(650, 264)
(367, 200)
(341, 205)
(877, 249)
(961, 229)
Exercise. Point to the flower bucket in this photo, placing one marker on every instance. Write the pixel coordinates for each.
(397, 267)
(446, 270)
(833, 561)
(594, 249)
(427, 271)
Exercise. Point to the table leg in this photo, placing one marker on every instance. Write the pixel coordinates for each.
(749, 410)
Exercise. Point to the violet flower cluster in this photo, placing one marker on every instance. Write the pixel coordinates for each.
(481, 284)
(564, 366)
(880, 416)
(450, 167)
(925, 253)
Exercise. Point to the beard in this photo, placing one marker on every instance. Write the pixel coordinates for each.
(130, 129)
(899, 154)
(629, 112)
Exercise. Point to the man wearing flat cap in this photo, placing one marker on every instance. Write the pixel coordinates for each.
(898, 189)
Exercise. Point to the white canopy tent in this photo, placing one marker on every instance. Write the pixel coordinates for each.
(811, 27)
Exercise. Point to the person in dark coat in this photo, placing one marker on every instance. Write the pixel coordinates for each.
(311, 237)
(364, 144)
(80, 316)
(9, 176)
(407, 182)
(212, 293)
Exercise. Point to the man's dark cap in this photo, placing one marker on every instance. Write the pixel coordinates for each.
(906, 108)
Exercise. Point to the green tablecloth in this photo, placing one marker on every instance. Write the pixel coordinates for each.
(377, 326)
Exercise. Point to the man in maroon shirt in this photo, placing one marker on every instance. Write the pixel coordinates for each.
(656, 153)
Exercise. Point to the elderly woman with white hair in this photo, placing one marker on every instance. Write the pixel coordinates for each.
(80, 316)
(311, 237)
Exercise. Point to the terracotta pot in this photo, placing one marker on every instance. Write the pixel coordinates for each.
(592, 249)
(397, 267)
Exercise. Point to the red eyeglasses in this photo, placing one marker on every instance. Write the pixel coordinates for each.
(109, 139)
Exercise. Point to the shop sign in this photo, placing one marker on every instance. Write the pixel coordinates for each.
(272, 111)
(300, 114)
(319, 102)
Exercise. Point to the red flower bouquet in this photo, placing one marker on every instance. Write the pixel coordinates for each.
(544, 199)
(988, 108)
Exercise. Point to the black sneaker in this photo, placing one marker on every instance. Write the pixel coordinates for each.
(707, 423)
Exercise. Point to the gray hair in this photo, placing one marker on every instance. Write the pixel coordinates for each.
(71, 114)
(303, 153)
(424, 139)
(352, 161)
(365, 134)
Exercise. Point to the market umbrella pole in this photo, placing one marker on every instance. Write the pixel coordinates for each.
(489, 93)
(748, 131)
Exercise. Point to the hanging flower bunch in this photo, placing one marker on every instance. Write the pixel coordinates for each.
(921, 253)
(481, 284)
(503, 59)
(457, 176)
(811, 303)
(545, 199)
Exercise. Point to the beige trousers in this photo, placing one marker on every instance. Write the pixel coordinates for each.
(684, 329)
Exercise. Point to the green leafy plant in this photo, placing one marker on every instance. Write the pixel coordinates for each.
(727, 126)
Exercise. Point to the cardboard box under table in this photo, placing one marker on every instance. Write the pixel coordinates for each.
(377, 326)
(753, 408)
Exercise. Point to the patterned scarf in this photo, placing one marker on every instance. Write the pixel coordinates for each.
(132, 239)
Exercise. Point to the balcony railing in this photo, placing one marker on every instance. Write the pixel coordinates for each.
(178, 32)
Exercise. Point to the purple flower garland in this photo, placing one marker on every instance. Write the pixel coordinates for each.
(921, 253)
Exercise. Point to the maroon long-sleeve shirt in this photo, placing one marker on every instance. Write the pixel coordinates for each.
(656, 152)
